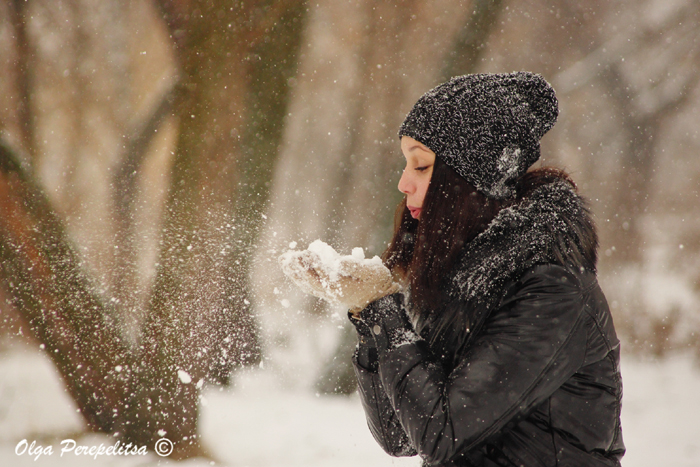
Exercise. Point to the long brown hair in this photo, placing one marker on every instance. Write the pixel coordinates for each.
(422, 253)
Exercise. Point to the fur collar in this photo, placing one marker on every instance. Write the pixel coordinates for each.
(551, 225)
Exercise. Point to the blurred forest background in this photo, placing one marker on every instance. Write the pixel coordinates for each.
(156, 156)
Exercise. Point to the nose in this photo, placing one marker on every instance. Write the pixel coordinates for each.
(405, 185)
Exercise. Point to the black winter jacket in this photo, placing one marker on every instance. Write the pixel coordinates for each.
(524, 370)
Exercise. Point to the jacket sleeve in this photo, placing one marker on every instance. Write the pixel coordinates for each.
(381, 417)
(527, 348)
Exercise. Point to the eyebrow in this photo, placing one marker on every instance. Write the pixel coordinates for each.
(417, 146)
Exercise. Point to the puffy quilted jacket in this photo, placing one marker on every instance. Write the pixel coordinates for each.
(536, 379)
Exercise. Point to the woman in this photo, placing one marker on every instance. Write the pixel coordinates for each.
(500, 350)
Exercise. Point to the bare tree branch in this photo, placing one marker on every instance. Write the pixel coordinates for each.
(471, 40)
(24, 75)
(586, 70)
(124, 195)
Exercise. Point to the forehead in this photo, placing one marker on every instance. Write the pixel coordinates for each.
(415, 149)
(410, 144)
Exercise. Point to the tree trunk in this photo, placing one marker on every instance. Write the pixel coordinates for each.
(44, 278)
(198, 321)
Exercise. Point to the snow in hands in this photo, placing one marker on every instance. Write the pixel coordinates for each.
(323, 272)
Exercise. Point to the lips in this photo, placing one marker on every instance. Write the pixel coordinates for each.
(415, 212)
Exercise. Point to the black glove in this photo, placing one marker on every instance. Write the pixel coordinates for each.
(366, 351)
(388, 323)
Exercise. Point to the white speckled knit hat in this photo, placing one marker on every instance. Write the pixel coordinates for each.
(487, 127)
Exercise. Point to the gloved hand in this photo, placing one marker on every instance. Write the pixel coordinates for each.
(366, 351)
(351, 282)
(388, 323)
(381, 326)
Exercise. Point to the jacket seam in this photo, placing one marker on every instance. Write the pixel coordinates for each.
(380, 419)
(491, 430)
(599, 328)
(618, 398)
(618, 381)
(581, 297)
(554, 441)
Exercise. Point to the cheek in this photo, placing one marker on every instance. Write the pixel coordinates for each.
(424, 187)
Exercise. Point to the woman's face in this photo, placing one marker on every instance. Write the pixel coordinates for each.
(416, 176)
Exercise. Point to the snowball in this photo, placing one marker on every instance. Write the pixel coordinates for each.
(330, 259)
(358, 254)
(330, 267)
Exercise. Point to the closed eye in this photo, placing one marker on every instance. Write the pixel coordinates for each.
(421, 169)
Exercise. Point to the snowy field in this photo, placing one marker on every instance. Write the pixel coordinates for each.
(260, 423)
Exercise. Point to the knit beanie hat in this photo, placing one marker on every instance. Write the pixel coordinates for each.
(487, 127)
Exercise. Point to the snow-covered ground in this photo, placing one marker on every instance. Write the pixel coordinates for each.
(258, 422)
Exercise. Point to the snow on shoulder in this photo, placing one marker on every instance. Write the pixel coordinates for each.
(321, 271)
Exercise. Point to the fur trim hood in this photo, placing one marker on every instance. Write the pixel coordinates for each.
(552, 225)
